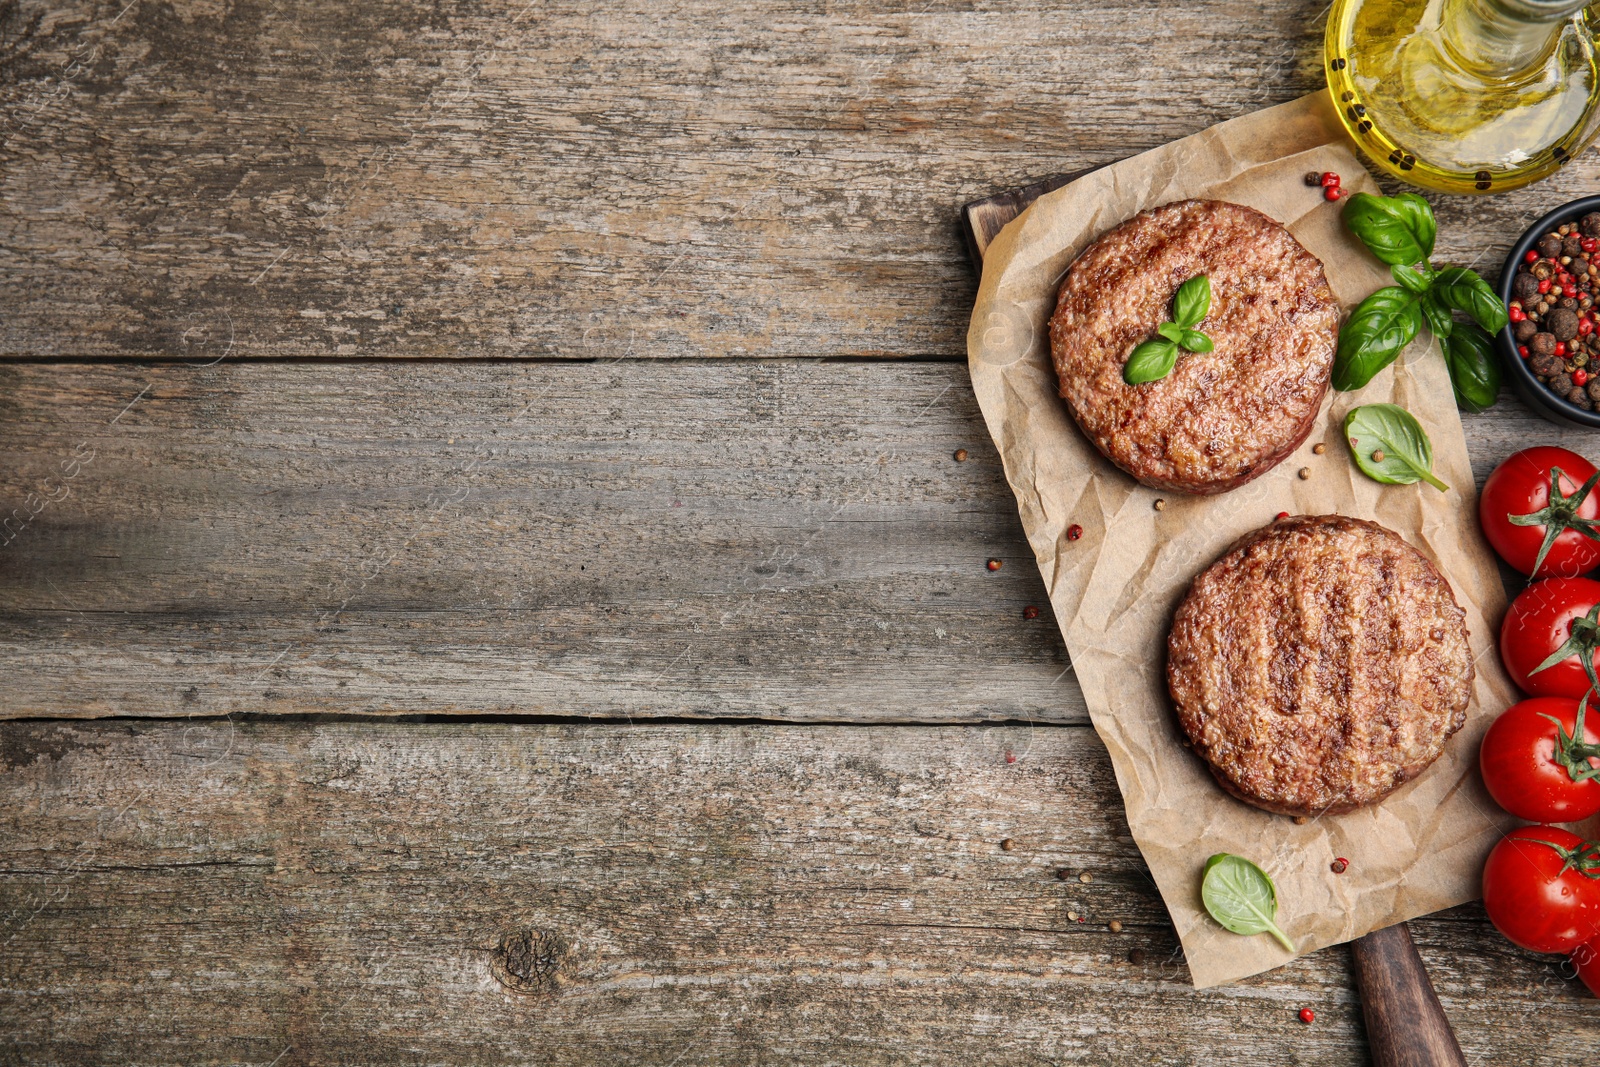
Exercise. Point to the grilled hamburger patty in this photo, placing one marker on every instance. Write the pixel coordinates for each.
(1320, 664)
(1222, 417)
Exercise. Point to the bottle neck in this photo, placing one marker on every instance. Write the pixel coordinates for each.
(1504, 37)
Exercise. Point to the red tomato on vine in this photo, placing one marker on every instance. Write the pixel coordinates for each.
(1541, 888)
(1541, 760)
(1539, 512)
(1550, 640)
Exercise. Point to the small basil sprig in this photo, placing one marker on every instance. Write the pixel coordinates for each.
(1241, 897)
(1389, 445)
(1400, 230)
(1153, 360)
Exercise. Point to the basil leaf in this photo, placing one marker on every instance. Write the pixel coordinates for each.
(1397, 229)
(1462, 289)
(1171, 331)
(1409, 278)
(1392, 432)
(1474, 371)
(1150, 361)
(1419, 213)
(1241, 897)
(1437, 316)
(1379, 327)
(1189, 307)
(1195, 341)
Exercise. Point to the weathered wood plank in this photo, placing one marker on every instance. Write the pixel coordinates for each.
(561, 179)
(773, 539)
(217, 893)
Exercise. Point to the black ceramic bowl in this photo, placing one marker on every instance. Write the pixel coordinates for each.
(1531, 389)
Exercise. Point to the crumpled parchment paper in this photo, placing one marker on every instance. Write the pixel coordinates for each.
(1115, 589)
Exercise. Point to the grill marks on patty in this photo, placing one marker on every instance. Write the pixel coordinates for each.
(1305, 667)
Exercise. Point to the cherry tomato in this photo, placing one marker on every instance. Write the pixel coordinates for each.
(1545, 618)
(1586, 961)
(1521, 487)
(1541, 888)
(1521, 765)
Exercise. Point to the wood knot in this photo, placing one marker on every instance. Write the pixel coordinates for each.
(531, 961)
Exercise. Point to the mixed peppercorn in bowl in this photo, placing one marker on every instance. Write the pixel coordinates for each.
(1551, 286)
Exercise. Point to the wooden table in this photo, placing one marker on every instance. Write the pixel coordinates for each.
(487, 580)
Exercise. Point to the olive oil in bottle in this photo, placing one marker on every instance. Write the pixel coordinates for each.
(1465, 96)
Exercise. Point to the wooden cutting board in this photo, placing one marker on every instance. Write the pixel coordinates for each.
(1406, 1025)
(982, 220)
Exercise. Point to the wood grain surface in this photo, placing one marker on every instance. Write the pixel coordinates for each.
(713, 894)
(651, 178)
(348, 375)
(786, 540)
(762, 539)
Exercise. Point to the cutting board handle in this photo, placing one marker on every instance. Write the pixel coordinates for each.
(1406, 1027)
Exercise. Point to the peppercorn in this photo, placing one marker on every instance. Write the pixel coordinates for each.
(1319, 448)
(1136, 956)
(1085, 877)
(1332, 192)
(1281, 516)
(1307, 1016)
(1524, 286)
(1377, 457)
(1313, 178)
(1571, 245)
(1339, 865)
(1305, 472)
(961, 455)
(1593, 389)
(1301, 820)
(1030, 612)
(1064, 874)
(995, 564)
(1523, 331)
(1544, 365)
(1550, 246)
(1115, 926)
(1542, 270)
(1590, 224)
(1074, 532)
(1578, 398)
(1563, 324)
(1560, 383)
(1007, 845)
(1542, 344)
